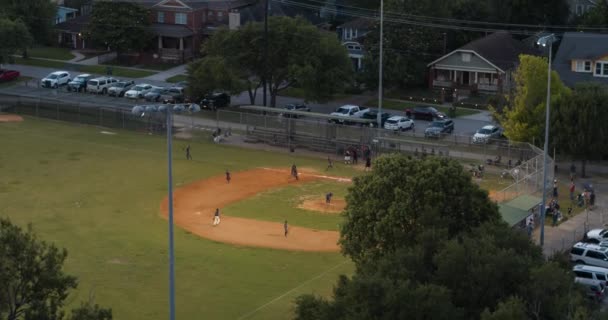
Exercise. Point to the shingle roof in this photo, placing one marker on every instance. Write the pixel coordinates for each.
(360, 23)
(75, 25)
(170, 30)
(500, 49)
(583, 46)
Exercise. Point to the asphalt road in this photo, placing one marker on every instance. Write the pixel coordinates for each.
(462, 126)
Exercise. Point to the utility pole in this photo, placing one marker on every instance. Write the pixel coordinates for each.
(380, 66)
(264, 81)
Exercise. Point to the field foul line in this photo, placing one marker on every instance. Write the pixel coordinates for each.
(313, 175)
(247, 315)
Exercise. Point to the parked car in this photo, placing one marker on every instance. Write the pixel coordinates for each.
(486, 134)
(216, 100)
(596, 235)
(100, 85)
(8, 75)
(55, 79)
(399, 123)
(593, 289)
(347, 111)
(173, 95)
(373, 115)
(154, 94)
(424, 113)
(79, 83)
(588, 253)
(591, 272)
(118, 89)
(138, 91)
(439, 128)
(295, 107)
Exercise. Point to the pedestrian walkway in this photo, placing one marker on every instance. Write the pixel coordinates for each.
(164, 75)
(77, 56)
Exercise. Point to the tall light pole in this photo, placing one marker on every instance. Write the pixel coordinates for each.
(264, 79)
(546, 41)
(380, 65)
(169, 110)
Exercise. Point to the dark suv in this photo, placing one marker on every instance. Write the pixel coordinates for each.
(373, 115)
(173, 95)
(439, 128)
(424, 113)
(216, 100)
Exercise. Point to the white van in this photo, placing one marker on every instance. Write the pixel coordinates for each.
(100, 85)
(591, 254)
(590, 272)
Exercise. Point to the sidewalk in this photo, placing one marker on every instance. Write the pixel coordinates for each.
(164, 75)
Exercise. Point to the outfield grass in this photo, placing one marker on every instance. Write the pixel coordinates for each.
(50, 53)
(97, 69)
(98, 195)
(402, 105)
(281, 204)
(177, 78)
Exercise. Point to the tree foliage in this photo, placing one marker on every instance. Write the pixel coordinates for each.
(596, 17)
(90, 311)
(14, 37)
(579, 123)
(298, 54)
(37, 15)
(122, 26)
(523, 117)
(429, 244)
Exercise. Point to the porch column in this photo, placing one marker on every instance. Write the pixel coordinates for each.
(59, 38)
(476, 78)
(160, 41)
(74, 43)
(359, 64)
(181, 44)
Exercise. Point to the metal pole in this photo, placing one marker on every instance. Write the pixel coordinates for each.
(380, 66)
(265, 53)
(546, 151)
(171, 249)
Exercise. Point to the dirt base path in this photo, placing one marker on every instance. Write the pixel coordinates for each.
(10, 118)
(194, 206)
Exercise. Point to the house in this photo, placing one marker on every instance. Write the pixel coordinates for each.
(69, 33)
(64, 13)
(580, 7)
(483, 65)
(582, 57)
(350, 34)
(255, 13)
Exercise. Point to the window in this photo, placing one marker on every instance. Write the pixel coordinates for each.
(601, 69)
(577, 251)
(595, 255)
(160, 17)
(579, 9)
(583, 66)
(582, 274)
(220, 14)
(600, 276)
(181, 18)
(210, 14)
(466, 57)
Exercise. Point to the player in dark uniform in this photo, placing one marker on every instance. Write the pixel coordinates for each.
(294, 172)
(228, 177)
(188, 155)
(330, 164)
(328, 197)
(286, 228)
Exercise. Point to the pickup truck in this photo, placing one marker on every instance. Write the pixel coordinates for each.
(347, 111)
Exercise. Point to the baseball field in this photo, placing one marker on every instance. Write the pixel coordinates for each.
(101, 194)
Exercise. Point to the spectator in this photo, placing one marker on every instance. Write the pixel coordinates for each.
(572, 189)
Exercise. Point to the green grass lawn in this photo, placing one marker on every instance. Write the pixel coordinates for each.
(177, 78)
(281, 204)
(299, 93)
(97, 69)
(98, 195)
(402, 105)
(50, 53)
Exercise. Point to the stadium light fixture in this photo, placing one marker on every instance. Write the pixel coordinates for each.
(169, 109)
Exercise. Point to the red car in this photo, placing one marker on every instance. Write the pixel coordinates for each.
(8, 75)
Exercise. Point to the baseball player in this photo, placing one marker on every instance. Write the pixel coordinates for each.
(286, 228)
(328, 197)
(188, 155)
(330, 164)
(228, 177)
(216, 217)
(294, 172)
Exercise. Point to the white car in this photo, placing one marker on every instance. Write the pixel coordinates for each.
(596, 235)
(486, 134)
(399, 123)
(56, 79)
(138, 91)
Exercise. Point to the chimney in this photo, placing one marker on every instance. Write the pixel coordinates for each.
(234, 20)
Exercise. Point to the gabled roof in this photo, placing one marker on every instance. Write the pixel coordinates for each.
(579, 46)
(75, 25)
(170, 30)
(359, 23)
(197, 4)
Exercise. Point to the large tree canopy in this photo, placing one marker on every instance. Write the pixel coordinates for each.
(38, 16)
(429, 244)
(523, 118)
(298, 54)
(122, 26)
(14, 37)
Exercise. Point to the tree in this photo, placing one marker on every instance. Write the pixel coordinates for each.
(391, 207)
(513, 308)
(14, 37)
(122, 26)
(298, 54)
(596, 17)
(214, 73)
(523, 118)
(90, 311)
(579, 123)
(37, 15)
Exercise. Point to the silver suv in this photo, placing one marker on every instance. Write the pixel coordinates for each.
(591, 254)
(100, 85)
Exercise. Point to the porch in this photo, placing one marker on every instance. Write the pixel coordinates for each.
(466, 80)
(175, 43)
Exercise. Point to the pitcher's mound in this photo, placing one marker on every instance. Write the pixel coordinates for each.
(336, 205)
(10, 118)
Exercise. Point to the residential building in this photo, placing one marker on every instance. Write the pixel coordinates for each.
(351, 34)
(64, 13)
(580, 7)
(69, 33)
(582, 57)
(483, 65)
